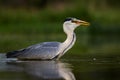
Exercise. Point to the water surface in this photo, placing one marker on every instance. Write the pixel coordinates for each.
(65, 69)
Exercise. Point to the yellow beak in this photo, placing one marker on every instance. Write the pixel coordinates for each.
(82, 23)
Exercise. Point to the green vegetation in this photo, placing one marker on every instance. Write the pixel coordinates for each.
(21, 27)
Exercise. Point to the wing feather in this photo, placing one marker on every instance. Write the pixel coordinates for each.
(46, 50)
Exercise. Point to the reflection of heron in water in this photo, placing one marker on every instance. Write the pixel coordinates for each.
(45, 70)
(50, 50)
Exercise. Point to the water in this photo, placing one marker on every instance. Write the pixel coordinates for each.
(96, 69)
(35, 70)
(65, 69)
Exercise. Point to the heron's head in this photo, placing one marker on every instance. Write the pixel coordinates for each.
(72, 23)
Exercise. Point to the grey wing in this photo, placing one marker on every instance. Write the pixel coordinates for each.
(46, 50)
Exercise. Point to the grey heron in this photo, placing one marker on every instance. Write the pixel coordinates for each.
(50, 50)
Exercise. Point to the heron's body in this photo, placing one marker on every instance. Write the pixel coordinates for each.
(44, 50)
(48, 50)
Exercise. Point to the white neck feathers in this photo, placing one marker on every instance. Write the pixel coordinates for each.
(70, 40)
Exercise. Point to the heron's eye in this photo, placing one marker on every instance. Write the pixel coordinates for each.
(73, 21)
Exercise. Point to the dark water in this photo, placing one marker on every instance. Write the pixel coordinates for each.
(65, 69)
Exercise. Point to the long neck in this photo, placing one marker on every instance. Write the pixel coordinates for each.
(69, 42)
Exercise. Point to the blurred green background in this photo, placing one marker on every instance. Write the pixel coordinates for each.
(27, 22)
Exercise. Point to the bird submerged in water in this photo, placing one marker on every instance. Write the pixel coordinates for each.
(50, 50)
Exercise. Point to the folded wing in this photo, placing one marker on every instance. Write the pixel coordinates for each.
(46, 50)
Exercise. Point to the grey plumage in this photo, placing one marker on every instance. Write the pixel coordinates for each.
(50, 50)
(46, 50)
